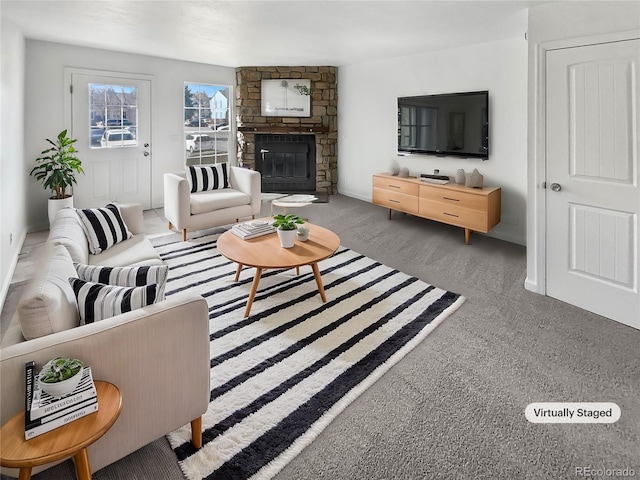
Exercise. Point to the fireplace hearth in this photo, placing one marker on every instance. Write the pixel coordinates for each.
(287, 163)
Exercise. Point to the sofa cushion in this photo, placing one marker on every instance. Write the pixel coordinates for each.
(48, 304)
(203, 178)
(104, 227)
(67, 230)
(97, 301)
(204, 202)
(126, 276)
(133, 252)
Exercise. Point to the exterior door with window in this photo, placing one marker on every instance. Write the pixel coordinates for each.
(111, 118)
(593, 193)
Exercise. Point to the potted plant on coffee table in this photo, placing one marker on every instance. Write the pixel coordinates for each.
(56, 170)
(287, 227)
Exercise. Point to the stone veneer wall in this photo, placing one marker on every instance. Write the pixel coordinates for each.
(323, 121)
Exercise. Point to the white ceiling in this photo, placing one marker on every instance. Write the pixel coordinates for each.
(269, 32)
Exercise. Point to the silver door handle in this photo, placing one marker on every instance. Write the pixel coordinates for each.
(145, 153)
(556, 187)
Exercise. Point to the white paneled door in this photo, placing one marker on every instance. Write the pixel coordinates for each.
(592, 193)
(111, 118)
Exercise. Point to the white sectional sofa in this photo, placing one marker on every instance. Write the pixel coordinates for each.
(158, 356)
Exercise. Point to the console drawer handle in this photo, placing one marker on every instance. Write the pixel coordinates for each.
(394, 201)
(450, 214)
(452, 199)
(395, 186)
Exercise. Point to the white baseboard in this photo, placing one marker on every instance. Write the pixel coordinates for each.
(357, 196)
(532, 286)
(12, 268)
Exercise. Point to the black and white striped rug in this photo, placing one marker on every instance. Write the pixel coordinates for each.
(280, 376)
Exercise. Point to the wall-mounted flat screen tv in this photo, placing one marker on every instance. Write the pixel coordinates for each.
(455, 124)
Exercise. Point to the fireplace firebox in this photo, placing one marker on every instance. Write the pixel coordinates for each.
(286, 162)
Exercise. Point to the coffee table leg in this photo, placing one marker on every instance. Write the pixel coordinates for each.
(238, 272)
(25, 473)
(316, 273)
(254, 289)
(83, 471)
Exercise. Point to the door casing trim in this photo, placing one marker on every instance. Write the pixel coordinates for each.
(536, 157)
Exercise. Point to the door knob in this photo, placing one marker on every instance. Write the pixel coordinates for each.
(145, 153)
(556, 187)
(146, 145)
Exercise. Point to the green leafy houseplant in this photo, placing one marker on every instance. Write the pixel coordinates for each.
(60, 369)
(58, 165)
(287, 222)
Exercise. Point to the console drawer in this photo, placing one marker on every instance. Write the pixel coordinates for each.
(396, 185)
(395, 200)
(453, 197)
(454, 215)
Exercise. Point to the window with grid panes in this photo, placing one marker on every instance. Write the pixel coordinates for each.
(206, 123)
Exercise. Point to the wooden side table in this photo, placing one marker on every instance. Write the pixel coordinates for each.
(69, 440)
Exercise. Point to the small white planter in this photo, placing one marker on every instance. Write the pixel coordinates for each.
(55, 205)
(60, 389)
(303, 234)
(287, 237)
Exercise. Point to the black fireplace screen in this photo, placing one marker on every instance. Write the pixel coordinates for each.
(286, 162)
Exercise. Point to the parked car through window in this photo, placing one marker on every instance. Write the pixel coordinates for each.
(118, 138)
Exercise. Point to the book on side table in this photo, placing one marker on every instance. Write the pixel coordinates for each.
(44, 413)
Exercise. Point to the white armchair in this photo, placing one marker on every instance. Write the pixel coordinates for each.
(194, 211)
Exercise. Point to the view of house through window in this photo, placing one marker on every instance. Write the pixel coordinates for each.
(113, 115)
(206, 123)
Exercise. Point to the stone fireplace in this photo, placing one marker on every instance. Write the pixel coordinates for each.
(289, 139)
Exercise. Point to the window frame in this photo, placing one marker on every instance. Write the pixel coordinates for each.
(201, 114)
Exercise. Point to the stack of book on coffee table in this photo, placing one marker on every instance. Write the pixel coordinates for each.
(253, 229)
(43, 412)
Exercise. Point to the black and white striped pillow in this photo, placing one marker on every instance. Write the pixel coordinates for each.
(126, 276)
(203, 178)
(104, 227)
(97, 301)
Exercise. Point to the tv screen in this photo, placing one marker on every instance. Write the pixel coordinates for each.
(454, 124)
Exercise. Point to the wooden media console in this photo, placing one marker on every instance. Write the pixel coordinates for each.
(474, 209)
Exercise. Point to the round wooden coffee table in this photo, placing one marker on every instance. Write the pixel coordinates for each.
(265, 252)
(69, 440)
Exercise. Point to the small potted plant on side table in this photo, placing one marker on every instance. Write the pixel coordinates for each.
(287, 227)
(60, 376)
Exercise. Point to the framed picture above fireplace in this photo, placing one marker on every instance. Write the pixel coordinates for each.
(286, 97)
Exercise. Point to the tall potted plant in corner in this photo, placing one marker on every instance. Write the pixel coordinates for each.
(56, 170)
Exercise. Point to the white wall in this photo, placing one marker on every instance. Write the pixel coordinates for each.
(367, 125)
(560, 25)
(46, 97)
(13, 171)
